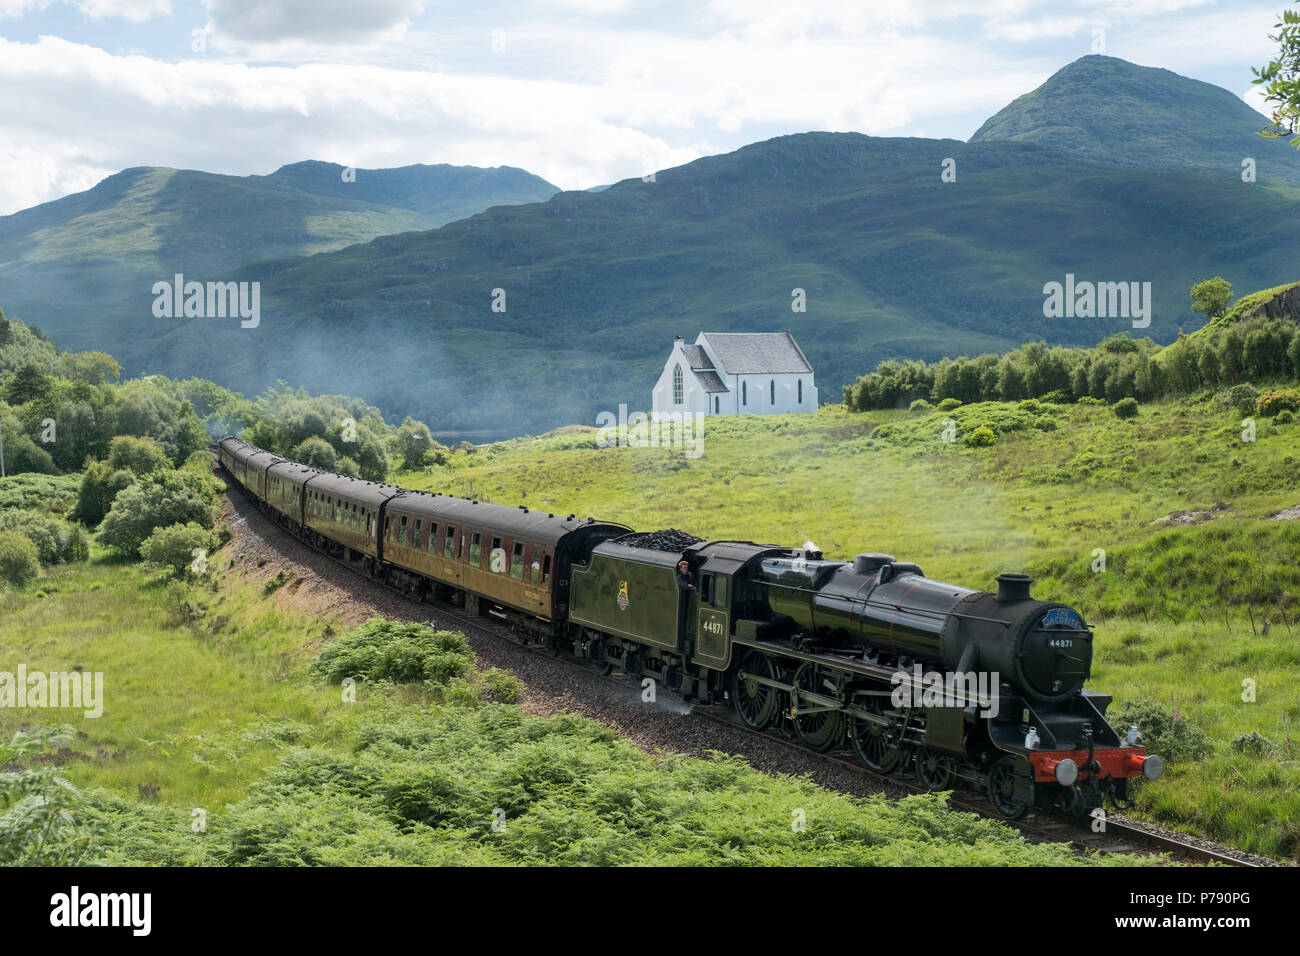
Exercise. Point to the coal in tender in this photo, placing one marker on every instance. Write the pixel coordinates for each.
(669, 539)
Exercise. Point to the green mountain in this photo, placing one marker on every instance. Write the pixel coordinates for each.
(104, 248)
(895, 262)
(440, 193)
(1103, 109)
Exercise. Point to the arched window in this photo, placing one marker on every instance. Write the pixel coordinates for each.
(744, 393)
(800, 391)
(678, 391)
(773, 386)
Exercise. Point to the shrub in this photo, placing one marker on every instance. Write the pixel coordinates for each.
(173, 547)
(55, 540)
(1058, 396)
(1090, 400)
(382, 650)
(317, 452)
(1045, 423)
(39, 827)
(948, 404)
(1029, 405)
(981, 437)
(1164, 732)
(99, 486)
(1284, 417)
(44, 493)
(501, 686)
(1273, 403)
(1126, 408)
(158, 500)
(19, 560)
(1253, 743)
(1241, 397)
(136, 455)
(920, 405)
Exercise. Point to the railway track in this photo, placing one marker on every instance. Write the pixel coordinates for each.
(1117, 837)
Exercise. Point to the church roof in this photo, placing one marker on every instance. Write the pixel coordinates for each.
(709, 379)
(746, 353)
(696, 356)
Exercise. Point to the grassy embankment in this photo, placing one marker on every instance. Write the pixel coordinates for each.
(1060, 482)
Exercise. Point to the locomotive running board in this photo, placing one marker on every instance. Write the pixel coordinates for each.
(885, 675)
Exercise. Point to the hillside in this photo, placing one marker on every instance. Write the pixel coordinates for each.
(102, 249)
(894, 262)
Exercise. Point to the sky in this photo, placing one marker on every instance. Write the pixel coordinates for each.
(580, 92)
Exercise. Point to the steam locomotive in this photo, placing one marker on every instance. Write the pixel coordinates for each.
(987, 688)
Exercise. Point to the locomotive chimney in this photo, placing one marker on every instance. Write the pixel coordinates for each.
(1013, 587)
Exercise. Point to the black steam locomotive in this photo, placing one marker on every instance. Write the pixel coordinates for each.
(982, 687)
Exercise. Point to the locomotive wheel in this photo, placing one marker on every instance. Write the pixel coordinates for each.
(822, 729)
(936, 770)
(878, 747)
(1002, 789)
(599, 656)
(757, 704)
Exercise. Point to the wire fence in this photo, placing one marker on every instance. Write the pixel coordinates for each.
(1259, 623)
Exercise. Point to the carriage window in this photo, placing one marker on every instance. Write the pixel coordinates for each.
(449, 550)
(415, 535)
(535, 569)
(401, 531)
(369, 527)
(517, 561)
(546, 568)
(388, 527)
(433, 538)
(476, 549)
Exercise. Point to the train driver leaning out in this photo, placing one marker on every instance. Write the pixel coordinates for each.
(685, 579)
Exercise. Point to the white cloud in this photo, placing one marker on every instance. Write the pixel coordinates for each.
(136, 11)
(1027, 30)
(330, 20)
(13, 9)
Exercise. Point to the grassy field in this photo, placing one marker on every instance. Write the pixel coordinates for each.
(1180, 609)
(225, 740)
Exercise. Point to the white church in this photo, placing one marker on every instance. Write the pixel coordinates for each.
(736, 373)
